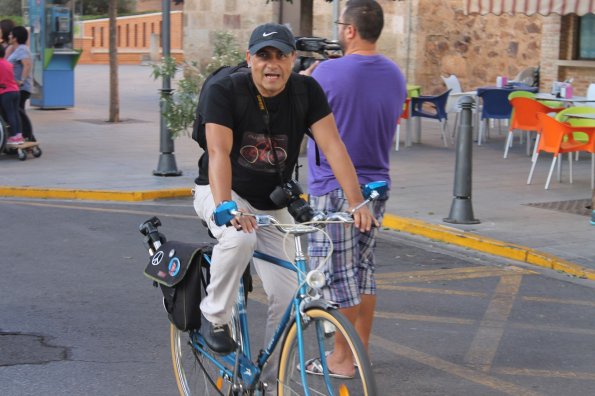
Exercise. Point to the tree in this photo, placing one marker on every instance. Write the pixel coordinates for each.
(114, 101)
(10, 8)
(181, 106)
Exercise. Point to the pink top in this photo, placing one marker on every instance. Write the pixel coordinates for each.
(7, 77)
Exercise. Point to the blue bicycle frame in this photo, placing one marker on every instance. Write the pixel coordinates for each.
(249, 372)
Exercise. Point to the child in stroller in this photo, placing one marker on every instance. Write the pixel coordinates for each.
(9, 101)
(13, 118)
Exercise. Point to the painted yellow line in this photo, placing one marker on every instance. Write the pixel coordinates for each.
(92, 195)
(552, 329)
(544, 373)
(559, 301)
(423, 318)
(95, 209)
(485, 344)
(466, 373)
(448, 292)
(449, 274)
(511, 270)
(471, 322)
(483, 244)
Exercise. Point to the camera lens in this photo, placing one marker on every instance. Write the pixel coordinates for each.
(279, 197)
(300, 210)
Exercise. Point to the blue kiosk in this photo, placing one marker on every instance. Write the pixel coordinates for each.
(54, 58)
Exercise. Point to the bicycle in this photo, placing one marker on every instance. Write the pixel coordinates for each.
(306, 330)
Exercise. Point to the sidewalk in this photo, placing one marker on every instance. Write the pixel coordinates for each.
(85, 157)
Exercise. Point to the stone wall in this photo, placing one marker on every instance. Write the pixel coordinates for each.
(203, 18)
(475, 48)
(425, 38)
(155, 5)
(431, 38)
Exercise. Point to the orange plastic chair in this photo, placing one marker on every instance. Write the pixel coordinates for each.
(553, 133)
(404, 116)
(524, 118)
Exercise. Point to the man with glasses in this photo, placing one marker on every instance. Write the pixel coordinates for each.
(251, 151)
(366, 92)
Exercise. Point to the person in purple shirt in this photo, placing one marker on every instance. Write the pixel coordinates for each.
(366, 92)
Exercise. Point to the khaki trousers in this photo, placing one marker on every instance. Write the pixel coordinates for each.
(232, 254)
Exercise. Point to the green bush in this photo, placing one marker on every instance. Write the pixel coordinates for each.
(18, 20)
(180, 107)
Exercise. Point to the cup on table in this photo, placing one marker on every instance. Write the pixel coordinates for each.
(501, 81)
(566, 91)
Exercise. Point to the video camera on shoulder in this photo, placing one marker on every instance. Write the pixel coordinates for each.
(312, 49)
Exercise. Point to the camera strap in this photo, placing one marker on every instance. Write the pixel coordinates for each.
(294, 101)
(267, 119)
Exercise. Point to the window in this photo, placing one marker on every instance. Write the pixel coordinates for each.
(586, 42)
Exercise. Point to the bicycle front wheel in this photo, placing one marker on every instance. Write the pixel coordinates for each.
(318, 341)
(195, 374)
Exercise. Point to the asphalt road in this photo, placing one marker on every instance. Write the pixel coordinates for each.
(78, 317)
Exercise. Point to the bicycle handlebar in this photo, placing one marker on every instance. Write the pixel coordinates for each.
(228, 210)
(298, 228)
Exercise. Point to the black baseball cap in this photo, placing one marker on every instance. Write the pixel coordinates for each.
(272, 35)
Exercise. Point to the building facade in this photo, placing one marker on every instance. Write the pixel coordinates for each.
(426, 38)
(138, 38)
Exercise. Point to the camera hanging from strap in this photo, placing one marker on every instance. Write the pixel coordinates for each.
(267, 123)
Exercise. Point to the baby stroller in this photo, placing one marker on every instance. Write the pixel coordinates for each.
(30, 145)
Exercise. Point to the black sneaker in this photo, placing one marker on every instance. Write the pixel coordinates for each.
(217, 337)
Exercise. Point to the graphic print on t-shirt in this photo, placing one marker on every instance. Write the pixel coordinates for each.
(256, 152)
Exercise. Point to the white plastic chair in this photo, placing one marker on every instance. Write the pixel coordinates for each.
(591, 94)
(526, 76)
(452, 83)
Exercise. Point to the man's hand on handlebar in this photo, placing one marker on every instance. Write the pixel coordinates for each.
(244, 223)
(364, 219)
(227, 213)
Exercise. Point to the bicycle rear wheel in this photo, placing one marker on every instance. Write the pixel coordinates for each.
(315, 338)
(3, 134)
(195, 373)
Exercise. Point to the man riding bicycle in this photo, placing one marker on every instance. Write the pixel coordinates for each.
(249, 155)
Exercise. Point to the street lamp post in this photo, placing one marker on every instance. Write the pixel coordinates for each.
(167, 160)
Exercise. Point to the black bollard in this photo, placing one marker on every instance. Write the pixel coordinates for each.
(166, 166)
(461, 210)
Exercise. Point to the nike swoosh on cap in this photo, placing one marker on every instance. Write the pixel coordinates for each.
(268, 34)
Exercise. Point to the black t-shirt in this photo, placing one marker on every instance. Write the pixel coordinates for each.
(254, 173)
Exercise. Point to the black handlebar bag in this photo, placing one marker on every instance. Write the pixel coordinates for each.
(182, 273)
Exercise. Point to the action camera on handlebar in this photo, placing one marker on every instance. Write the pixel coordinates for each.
(378, 187)
(223, 212)
(288, 194)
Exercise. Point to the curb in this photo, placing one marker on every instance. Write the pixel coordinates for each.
(440, 233)
(487, 245)
(92, 195)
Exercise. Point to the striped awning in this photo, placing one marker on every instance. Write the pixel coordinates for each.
(529, 7)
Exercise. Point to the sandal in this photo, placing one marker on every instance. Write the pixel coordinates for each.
(314, 367)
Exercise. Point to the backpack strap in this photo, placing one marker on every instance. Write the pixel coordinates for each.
(300, 95)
